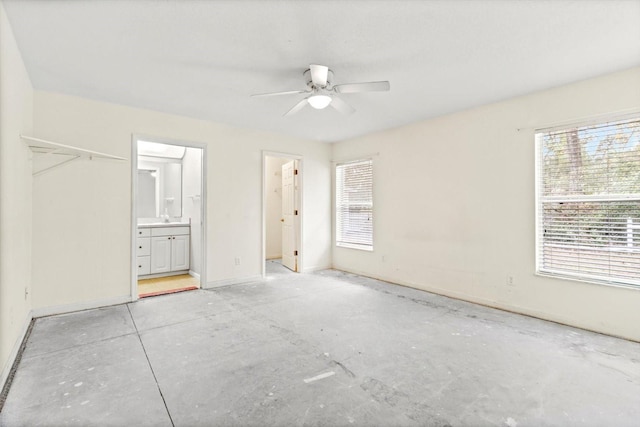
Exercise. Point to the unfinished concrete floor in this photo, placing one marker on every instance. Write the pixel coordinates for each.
(323, 349)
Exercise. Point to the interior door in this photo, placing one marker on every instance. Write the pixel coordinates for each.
(289, 249)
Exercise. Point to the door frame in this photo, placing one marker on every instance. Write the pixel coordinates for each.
(299, 193)
(134, 205)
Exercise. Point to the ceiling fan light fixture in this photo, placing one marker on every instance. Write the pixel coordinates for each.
(319, 101)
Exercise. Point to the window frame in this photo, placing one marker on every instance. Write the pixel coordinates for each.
(338, 241)
(540, 199)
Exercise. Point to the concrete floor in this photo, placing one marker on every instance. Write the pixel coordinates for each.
(322, 349)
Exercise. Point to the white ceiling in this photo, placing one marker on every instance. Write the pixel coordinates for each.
(204, 58)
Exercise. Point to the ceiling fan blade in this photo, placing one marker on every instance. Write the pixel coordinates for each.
(299, 106)
(319, 74)
(341, 106)
(289, 92)
(362, 87)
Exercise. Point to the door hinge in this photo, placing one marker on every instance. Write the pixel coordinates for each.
(295, 253)
(295, 212)
(295, 171)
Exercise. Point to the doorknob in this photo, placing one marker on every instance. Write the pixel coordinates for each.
(281, 219)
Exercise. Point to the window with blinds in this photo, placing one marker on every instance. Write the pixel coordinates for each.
(354, 205)
(589, 202)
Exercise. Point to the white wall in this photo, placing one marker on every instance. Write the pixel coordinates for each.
(82, 211)
(16, 111)
(273, 208)
(192, 206)
(455, 207)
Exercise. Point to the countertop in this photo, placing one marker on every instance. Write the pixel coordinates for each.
(164, 224)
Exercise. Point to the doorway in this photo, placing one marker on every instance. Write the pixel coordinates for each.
(282, 213)
(168, 211)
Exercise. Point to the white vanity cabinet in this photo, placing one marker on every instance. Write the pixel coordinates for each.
(161, 249)
(143, 249)
(179, 253)
(168, 249)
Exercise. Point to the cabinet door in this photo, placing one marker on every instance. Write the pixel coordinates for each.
(160, 254)
(144, 265)
(179, 253)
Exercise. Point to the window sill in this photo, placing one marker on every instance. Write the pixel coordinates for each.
(587, 280)
(354, 246)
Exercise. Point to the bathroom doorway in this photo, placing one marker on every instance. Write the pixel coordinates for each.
(168, 211)
(282, 212)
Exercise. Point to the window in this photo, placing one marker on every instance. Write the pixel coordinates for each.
(354, 205)
(589, 202)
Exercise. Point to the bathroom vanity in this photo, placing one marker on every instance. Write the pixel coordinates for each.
(162, 249)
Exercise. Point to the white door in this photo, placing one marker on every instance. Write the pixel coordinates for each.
(160, 254)
(289, 249)
(180, 253)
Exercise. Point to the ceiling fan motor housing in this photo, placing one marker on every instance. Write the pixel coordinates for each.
(307, 77)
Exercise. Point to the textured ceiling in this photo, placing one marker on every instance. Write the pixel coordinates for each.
(204, 58)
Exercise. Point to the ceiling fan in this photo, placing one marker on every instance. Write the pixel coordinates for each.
(322, 93)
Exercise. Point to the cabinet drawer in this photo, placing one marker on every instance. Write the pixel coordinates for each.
(144, 265)
(169, 231)
(143, 246)
(144, 232)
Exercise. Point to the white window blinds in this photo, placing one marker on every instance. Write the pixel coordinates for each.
(354, 205)
(589, 202)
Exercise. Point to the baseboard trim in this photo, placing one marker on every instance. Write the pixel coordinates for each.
(194, 274)
(316, 268)
(80, 306)
(232, 281)
(474, 299)
(16, 349)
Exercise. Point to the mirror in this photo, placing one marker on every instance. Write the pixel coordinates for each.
(159, 188)
(147, 207)
(172, 197)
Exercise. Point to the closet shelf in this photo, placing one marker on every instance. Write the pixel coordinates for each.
(67, 153)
